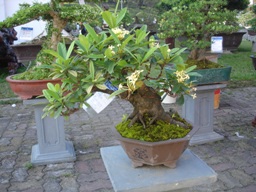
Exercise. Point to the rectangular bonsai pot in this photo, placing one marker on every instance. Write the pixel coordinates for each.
(212, 76)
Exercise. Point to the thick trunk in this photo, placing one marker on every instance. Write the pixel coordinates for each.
(58, 25)
(146, 101)
(197, 54)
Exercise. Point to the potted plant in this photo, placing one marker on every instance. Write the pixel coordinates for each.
(57, 14)
(231, 41)
(198, 21)
(127, 64)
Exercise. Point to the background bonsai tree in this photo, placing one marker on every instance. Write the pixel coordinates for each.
(57, 13)
(197, 21)
(124, 63)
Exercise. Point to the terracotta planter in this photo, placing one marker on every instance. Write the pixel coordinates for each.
(155, 153)
(27, 89)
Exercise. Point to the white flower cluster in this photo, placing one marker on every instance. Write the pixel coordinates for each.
(111, 47)
(131, 81)
(182, 76)
(134, 77)
(120, 32)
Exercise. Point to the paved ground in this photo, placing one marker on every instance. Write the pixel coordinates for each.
(234, 158)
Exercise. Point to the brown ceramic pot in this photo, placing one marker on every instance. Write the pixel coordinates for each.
(26, 52)
(155, 153)
(27, 89)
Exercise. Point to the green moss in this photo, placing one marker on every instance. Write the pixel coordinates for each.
(159, 131)
(33, 74)
(203, 64)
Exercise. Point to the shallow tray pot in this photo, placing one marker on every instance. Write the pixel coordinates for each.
(27, 89)
(155, 153)
(212, 76)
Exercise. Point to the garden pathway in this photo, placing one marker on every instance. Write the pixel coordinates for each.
(233, 158)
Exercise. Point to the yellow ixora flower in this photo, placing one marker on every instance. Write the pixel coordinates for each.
(120, 32)
(182, 76)
(132, 79)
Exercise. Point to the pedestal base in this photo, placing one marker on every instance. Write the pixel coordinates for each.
(38, 158)
(200, 113)
(205, 138)
(190, 171)
(52, 146)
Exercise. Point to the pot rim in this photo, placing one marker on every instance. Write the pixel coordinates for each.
(187, 137)
(9, 79)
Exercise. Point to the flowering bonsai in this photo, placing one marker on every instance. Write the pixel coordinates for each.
(197, 21)
(123, 63)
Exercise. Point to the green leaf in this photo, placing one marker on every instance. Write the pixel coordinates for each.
(149, 53)
(175, 89)
(91, 31)
(72, 72)
(70, 50)
(101, 86)
(50, 86)
(54, 53)
(46, 94)
(119, 91)
(121, 15)
(94, 56)
(180, 100)
(58, 112)
(83, 43)
(110, 19)
(111, 67)
(89, 89)
(190, 68)
(141, 34)
(108, 53)
(164, 52)
(92, 72)
(126, 41)
(194, 74)
(62, 50)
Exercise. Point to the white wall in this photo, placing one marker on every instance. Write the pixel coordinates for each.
(9, 7)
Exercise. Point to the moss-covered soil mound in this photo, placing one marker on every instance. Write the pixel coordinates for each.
(203, 64)
(159, 131)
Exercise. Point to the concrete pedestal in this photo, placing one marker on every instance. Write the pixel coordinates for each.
(200, 112)
(51, 147)
(190, 171)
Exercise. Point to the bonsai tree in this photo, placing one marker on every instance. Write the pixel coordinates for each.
(118, 62)
(197, 21)
(57, 13)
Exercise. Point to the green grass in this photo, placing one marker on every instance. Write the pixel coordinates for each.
(242, 74)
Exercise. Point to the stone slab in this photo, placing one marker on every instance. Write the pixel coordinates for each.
(190, 171)
(205, 138)
(38, 158)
